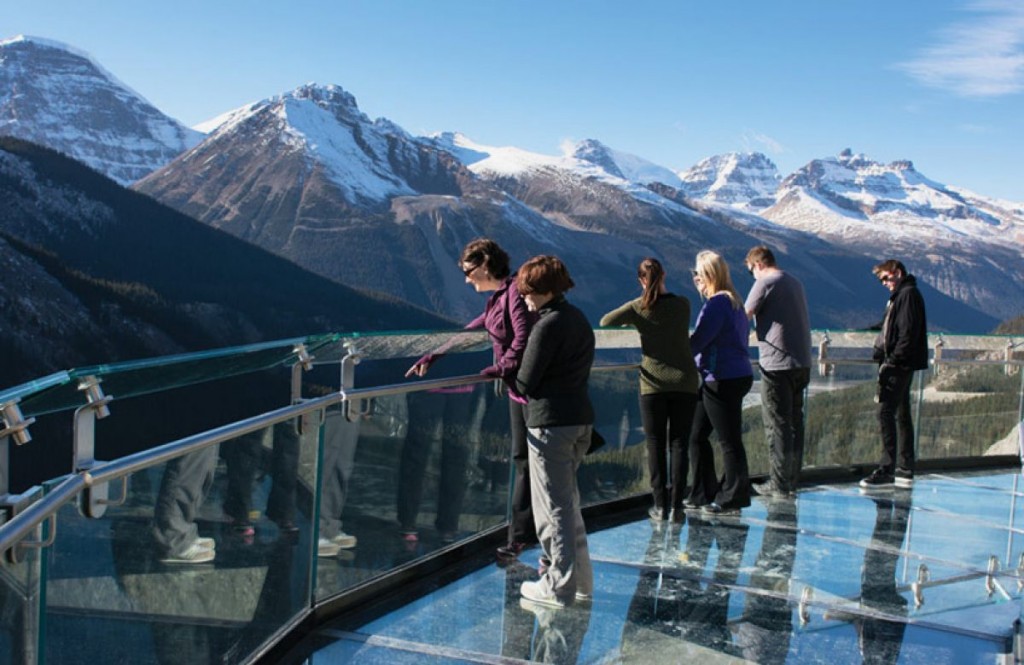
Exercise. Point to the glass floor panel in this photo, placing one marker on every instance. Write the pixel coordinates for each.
(833, 576)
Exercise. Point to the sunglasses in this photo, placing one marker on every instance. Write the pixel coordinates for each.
(469, 271)
(886, 278)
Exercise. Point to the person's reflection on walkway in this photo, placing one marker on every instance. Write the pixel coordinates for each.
(881, 620)
(670, 597)
(537, 633)
(881, 640)
(764, 634)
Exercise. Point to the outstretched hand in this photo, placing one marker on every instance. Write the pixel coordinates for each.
(419, 369)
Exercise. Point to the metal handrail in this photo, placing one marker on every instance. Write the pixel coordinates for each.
(22, 524)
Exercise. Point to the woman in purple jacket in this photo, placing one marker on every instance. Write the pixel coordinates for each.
(719, 344)
(507, 320)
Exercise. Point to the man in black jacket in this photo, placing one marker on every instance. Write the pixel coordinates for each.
(901, 348)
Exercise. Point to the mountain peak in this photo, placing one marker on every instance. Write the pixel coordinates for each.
(59, 97)
(622, 165)
(327, 95)
(743, 179)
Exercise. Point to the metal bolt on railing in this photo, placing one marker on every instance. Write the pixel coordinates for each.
(16, 425)
(918, 587)
(990, 578)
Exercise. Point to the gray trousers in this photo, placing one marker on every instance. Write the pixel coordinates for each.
(186, 482)
(340, 439)
(555, 454)
(782, 409)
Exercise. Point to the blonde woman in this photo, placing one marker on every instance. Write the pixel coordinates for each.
(719, 343)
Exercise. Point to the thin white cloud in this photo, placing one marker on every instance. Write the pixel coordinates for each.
(972, 128)
(980, 57)
(758, 142)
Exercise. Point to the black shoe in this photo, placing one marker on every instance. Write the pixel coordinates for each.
(677, 516)
(510, 550)
(657, 514)
(715, 509)
(879, 478)
(904, 478)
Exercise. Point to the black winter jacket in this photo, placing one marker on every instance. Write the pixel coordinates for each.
(903, 340)
(556, 367)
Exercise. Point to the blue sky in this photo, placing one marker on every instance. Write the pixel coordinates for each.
(939, 82)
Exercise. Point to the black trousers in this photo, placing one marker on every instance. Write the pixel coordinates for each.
(668, 419)
(894, 418)
(720, 409)
(433, 417)
(521, 527)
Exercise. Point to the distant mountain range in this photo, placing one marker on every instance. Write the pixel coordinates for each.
(308, 176)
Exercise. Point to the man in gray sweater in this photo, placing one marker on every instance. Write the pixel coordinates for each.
(778, 306)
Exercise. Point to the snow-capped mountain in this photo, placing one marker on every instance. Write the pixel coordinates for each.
(744, 180)
(965, 245)
(54, 95)
(307, 175)
(624, 165)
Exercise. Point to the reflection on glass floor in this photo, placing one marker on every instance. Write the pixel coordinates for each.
(836, 575)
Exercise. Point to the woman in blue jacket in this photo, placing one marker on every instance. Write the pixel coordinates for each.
(719, 343)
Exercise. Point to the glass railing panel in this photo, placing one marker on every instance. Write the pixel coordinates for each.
(34, 386)
(841, 424)
(165, 373)
(141, 422)
(208, 559)
(21, 578)
(968, 410)
(409, 474)
(619, 468)
(407, 345)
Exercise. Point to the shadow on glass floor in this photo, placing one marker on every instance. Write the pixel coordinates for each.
(835, 575)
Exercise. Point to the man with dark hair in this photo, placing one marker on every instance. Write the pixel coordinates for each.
(778, 306)
(901, 348)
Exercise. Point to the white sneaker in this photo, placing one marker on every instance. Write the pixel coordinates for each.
(344, 540)
(326, 547)
(208, 543)
(195, 553)
(534, 592)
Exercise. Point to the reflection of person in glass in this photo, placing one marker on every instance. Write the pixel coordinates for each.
(767, 625)
(444, 416)
(186, 483)
(881, 640)
(668, 383)
(560, 418)
(535, 633)
(244, 459)
(672, 600)
(508, 321)
(340, 437)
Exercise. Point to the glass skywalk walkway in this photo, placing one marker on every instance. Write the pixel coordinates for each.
(292, 464)
(834, 576)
